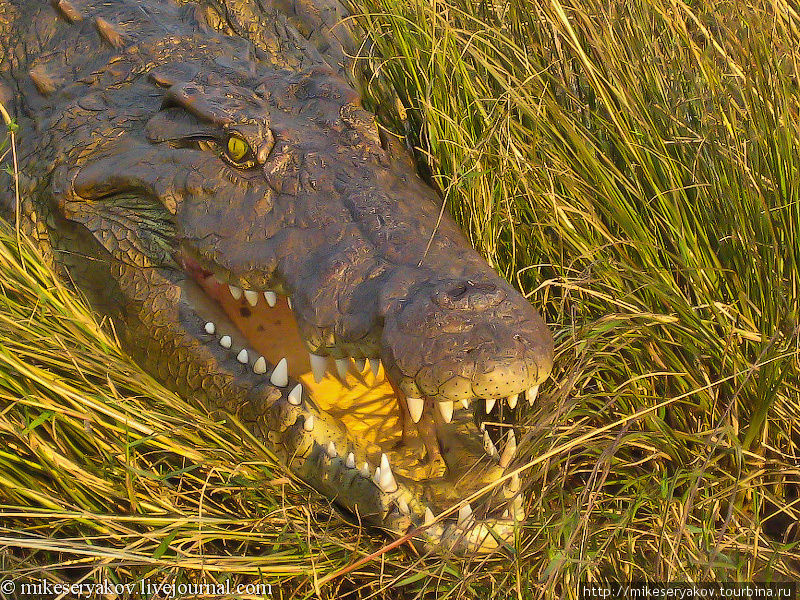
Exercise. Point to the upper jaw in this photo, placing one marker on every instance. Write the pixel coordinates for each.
(466, 338)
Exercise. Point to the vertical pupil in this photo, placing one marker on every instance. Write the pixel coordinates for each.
(236, 148)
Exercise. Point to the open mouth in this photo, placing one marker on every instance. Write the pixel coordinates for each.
(349, 430)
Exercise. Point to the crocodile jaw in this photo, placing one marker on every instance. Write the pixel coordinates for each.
(341, 429)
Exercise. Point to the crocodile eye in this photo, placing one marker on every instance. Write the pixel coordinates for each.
(237, 149)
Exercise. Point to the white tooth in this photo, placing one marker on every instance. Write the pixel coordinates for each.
(429, 516)
(280, 376)
(260, 366)
(446, 410)
(490, 405)
(236, 292)
(341, 367)
(377, 476)
(510, 450)
(403, 506)
(519, 509)
(488, 445)
(387, 482)
(415, 406)
(350, 462)
(210, 328)
(251, 297)
(225, 341)
(242, 356)
(532, 393)
(271, 298)
(361, 364)
(465, 403)
(464, 515)
(296, 395)
(308, 425)
(479, 533)
(365, 469)
(289, 302)
(331, 450)
(506, 514)
(374, 366)
(319, 365)
(512, 400)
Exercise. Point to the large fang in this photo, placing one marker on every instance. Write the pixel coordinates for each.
(296, 395)
(236, 292)
(402, 504)
(341, 367)
(512, 400)
(331, 450)
(488, 444)
(510, 450)
(532, 393)
(446, 410)
(374, 365)
(280, 376)
(260, 366)
(512, 487)
(386, 481)
(415, 406)
(251, 297)
(464, 403)
(490, 402)
(271, 298)
(319, 366)
(350, 461)
(464, 515)
(519, 509)
(308, 424)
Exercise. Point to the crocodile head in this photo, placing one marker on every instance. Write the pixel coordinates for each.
(269, 252)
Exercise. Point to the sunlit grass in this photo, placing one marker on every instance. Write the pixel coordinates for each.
(633, 168)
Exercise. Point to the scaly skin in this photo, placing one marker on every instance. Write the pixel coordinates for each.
(164, 158)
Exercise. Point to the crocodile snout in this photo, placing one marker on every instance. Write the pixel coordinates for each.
(459, 340)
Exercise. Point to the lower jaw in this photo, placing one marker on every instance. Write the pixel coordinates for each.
(366, 404)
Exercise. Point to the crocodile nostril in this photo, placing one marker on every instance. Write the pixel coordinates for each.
(468, 295)
(457, 291)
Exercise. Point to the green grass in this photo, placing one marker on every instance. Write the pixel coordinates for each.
(633, 168)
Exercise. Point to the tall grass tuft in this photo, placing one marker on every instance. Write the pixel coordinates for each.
(633, 168)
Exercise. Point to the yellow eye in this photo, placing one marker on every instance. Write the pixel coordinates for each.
(237, 148)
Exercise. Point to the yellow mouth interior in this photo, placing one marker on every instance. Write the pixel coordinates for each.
(365, 403)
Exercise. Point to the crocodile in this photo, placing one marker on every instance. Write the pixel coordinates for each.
(208, 178)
